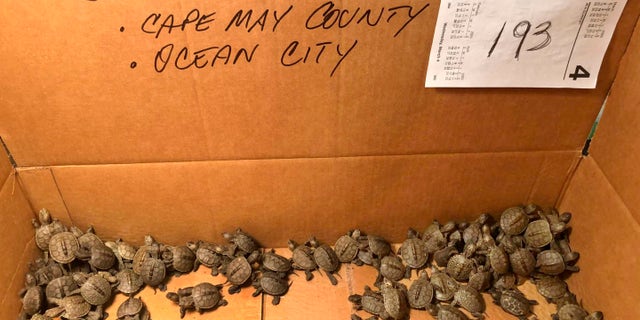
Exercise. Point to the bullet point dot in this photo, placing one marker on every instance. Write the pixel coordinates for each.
(121, 29)
(133, 64)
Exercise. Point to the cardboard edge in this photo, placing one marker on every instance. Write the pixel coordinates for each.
(572, 172)
(41, 190)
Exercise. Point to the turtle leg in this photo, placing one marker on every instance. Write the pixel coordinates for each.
(308, 274)
(407, 273)
(214, 271)
(276, 300)
(257, 292)
(234, 289)
(162, 287)
(183, 311)
(333, 279)
(355, 317)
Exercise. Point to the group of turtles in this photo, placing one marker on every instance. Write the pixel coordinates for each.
(79, 272)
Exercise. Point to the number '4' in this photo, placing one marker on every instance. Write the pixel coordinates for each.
(580, 72)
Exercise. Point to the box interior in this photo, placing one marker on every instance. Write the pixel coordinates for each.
(97, 142)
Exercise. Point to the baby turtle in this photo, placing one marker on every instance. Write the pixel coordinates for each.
(326, 259)
(552, 288)
(101, 257)
(129, 282)
(522, 262)
(395, 300)
(153, 272)
(150, 249)
(45, 272)
(538, 234)
(459, 267)
(272, 283)
(207, 296)
(207, 255)
(46, 227)
(447, 312)
(63, 247)
(514, 302)
(480, 279)
(433, 238)
(183, 299)
(420, 292)
(445, 287)
(33, 296)
(122, 251)
(86, 240)
(413, 252)
(514, 221)
(550, 262)
(346, 247)
(505, 281)
(471, 300)
(302, 257)
(131, 308)
(183, 259)
(442, 256)
(95, 289)
(60, 287)
(71, 307)
(274, 262)
(570, 312)
(498, 259)
(238, 272)
(371, 302)
(392, 268)
(243, 241)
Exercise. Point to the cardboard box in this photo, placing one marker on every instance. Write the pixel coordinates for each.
(316, 147)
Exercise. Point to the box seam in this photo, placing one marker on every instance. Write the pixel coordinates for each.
(300, 158)
(15, 272)
(568, 179)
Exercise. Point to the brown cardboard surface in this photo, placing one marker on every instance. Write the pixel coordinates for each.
(616, 146)
(322, 196)
(70, 96)
(16, 233)
(5, 167)
(40, 187)
(606, 236)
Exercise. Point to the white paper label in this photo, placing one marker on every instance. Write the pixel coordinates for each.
(521, 43)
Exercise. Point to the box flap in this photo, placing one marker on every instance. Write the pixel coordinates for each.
(616, 145)
(71, 96)
(380, 194)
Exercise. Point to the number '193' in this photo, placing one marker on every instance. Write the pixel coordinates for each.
(521, 30)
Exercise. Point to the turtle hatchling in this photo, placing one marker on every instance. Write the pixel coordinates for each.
(514, 302)
(243, 241)
(207, 255)
(395, 300)
(275, 262)
(238, 272)
(33, 296)
(346, 247)
(63, 247)
(60, 287)
(538, 234)
(371, 302)
(522, 262)
(413, 252)
(183, 259)
(392, 268)
(514, 221)
(132, 308)
(445, 286)
(302, 258)
(95, 289)
(46, 227)
(129, 282)
(420, 292)
(471, 300)
(207, 296)
(326, 259)
(552, 288)
(272, 283)
(447, 312)
(71, 307)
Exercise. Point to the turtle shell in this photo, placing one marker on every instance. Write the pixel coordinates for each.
(414, 253)
(392, 268)
(102, 257)
(89, 240)
(206, 295)
(60, 287)
(63, 247)
(96, 290)
(378, 245)
(346, 248)
(395, 302)
(130, 307)
(183, 259)
(129, 281)
(459, 267)
(551, 287)
(514, 221)
(470, 299)
(522, 262)
(207, 255)
(153, 271)
(238, 271)
(538, 234)
(420, 292)
(499, 260)
(275, 262)
(372, 302)
(46, 231)
(75, 307)
(444, 286)
(302, 257)
(571, 312)
(447, 312)
(33, 300)
(326, 258)
(273, 284)
(515, 303)
(550, 262)
(127, 251)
